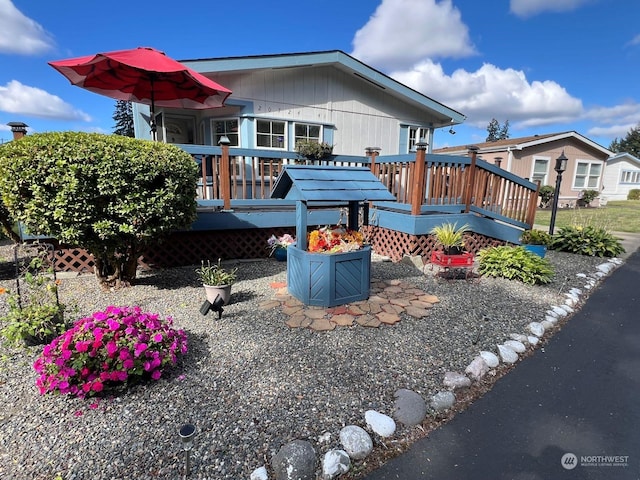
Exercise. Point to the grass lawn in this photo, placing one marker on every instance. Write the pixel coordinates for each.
(618, 216)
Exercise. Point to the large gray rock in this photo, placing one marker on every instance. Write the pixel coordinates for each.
(507, 354)
(295, 461)
(490, 358)
(478, 368)
(334, 463)
(442, 401)
(356, 441)
(409, 408)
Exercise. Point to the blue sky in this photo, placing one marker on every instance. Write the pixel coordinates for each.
(544, 65)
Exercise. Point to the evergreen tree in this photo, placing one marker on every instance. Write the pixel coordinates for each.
(123, 116)
(629, 144)
(496, 131)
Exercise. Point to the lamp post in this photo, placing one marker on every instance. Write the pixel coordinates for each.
(187, 432)
(561, 166)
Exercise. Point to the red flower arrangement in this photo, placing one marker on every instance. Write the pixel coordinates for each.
(334, 239)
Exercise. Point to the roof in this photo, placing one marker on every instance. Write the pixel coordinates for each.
(445, 116)
(624, 157)
(329, 184)
(521, 143)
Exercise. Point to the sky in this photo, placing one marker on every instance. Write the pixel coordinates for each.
(545, 66)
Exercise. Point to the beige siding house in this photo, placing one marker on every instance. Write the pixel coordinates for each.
(535, 157)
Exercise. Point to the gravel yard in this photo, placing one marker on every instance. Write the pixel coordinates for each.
(249, 383)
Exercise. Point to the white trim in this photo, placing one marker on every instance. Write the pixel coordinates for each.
(545, 180)
(586, 186)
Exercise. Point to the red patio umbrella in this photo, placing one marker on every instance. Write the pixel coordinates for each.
(143, 75)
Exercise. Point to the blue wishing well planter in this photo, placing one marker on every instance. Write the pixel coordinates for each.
(323, 279)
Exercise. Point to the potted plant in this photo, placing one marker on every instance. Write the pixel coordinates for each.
(278, 246)
(313, 150)
(450, 237)
(536, 241)
(217, 280)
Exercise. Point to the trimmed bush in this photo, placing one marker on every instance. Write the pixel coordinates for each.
(589, 240)
(515, 263)
(634, 194)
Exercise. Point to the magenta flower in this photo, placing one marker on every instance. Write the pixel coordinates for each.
(140, 348)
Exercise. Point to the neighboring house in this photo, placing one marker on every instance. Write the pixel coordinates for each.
(278, 100)
(534, 158)
(621, 174)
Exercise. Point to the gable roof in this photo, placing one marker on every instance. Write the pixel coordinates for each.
(522, 143)
(329, 184)
(445, 116)
(624, 156)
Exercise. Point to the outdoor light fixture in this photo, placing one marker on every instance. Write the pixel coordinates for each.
(497, 161)
(187, 432)
(452, 131)
(216, 306)
(561, 166)
(224, 140)
(421, 145)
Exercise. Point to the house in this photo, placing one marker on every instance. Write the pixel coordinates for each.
(325, 96)
(621, 174)
(534, 158)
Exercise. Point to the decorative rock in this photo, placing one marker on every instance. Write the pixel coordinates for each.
(380, 423)
(356, 441)
(560, 311)
(567, 308)
(575, 291)
(295, 461)
(551, 319)
(552, 313)
(547, 324)
(519, 337)
(605, 267)
(456, 380)
(507, 355)
(335, 462)
(409, 408)
(533, 340)
(442, 401)
(516, 346)
(259, 474)
(490, 358)
(478, 368)
(581, 275)
(536, 328)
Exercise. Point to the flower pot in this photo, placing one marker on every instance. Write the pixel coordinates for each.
(280, 254)
(539, 250)
(215, 291)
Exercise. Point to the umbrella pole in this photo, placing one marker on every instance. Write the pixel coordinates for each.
(154, 127)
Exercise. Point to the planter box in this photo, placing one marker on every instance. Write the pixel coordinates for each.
(328, 280)
(464, 260)
(540, 250)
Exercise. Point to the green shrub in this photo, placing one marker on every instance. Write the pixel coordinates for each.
(515, 263)
(535, 237)
(112, 195)
(634, 194)
(588, 240)
(546, 194)
(588, 196)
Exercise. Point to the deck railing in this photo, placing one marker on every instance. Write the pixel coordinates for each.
(422, 183)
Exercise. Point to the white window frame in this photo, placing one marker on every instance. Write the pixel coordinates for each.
(586, 186)
(545, 178)
(630, 177)
(307, 137)
(272, 135)
(414, 134)
(234, 137)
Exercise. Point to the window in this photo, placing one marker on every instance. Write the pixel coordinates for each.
(587, 175)
(307, 132)
(417, 134)
(540, 170)
(270, 134)
(630, 176)
(228, 127)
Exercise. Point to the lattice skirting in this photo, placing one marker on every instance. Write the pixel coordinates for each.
(190, 248)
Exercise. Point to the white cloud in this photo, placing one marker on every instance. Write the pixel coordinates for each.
(24, 100)
(402, 32)
(613, 131)
(529, 8)
(19, 34)
(490, 92)
(635, 40)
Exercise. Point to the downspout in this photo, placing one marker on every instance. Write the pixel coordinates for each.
(509, 159)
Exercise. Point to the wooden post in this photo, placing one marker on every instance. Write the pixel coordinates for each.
(301, 225)
(533, 205)
(225, 173)
(372, 153)
(471, 176)
(418, 185)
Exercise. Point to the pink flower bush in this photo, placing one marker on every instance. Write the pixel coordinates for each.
(107, 349)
